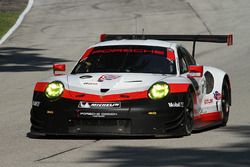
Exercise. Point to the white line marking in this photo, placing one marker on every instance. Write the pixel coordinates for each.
(18, 22)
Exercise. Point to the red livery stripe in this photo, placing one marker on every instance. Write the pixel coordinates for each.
(87, 53)
(174, 88)
(214, 116)
(99, 98)
(178, 88)
(41, 86)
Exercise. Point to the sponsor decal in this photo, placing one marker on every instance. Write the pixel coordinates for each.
(170, 55)
(203, 111)
(36, 103)
(127, 50)
(108, 77)
(99, 105)
(217, 95)
(176, 104)
(208, 101)
(90, 83)
(97, 115)
(83, 105)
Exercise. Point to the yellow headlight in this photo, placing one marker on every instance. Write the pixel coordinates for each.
(158, 91)
(54, 90)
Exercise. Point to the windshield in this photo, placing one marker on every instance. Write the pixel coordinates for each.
(126, 59)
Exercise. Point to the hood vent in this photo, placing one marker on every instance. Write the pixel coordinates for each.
(104, 90)
(85, 77)
(134, 81)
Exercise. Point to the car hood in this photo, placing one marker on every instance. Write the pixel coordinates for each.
(112, 83)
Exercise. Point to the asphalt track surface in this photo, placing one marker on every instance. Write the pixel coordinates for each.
(60, 30)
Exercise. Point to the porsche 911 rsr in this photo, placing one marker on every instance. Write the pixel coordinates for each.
(133, 85)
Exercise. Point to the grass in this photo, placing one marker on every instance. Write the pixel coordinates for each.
(7, 20)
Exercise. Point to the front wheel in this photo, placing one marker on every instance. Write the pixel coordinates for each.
(189, 114)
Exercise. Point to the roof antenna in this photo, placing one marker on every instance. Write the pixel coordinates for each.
(143, 37)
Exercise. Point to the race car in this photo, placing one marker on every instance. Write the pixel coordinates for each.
(133, 85)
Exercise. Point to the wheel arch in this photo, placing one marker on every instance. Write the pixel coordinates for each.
(191, 88)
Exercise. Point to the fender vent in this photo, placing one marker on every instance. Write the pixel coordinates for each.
(104, 90)
(134, 81)
(209, 82)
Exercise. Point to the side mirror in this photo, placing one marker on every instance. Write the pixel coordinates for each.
(58, 67)
(195, 71)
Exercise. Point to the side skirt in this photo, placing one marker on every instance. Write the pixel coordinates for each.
(207, 120)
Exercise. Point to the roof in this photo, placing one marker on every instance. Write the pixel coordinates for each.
(137, 42)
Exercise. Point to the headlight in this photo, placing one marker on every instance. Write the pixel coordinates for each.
(54, 89)
(158, 91)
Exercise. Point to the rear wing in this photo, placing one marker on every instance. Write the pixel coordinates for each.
(192, 38)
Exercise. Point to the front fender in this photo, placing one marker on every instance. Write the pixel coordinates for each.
(214, 79)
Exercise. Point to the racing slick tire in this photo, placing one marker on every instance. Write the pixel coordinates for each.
(225, 106)
(189, 113)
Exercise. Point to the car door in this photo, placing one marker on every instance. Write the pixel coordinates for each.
(185, 60)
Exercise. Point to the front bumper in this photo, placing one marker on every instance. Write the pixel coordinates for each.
(144, 117)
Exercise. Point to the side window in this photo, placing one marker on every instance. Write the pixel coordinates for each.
(182, 62)
(183, 66)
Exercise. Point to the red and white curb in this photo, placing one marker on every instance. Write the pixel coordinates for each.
(18, 22)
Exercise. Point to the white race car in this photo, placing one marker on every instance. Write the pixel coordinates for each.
(133, 85)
